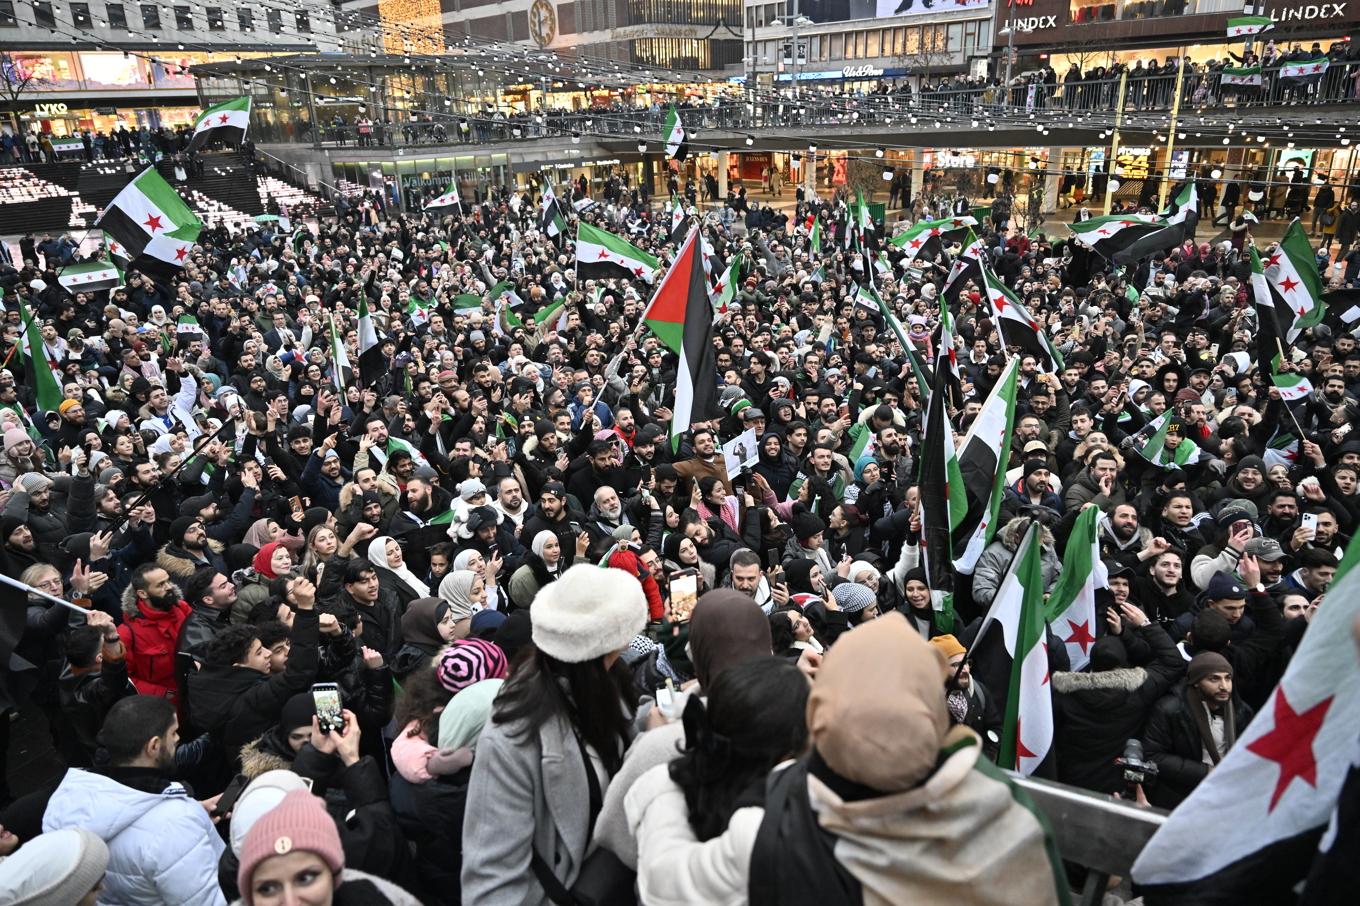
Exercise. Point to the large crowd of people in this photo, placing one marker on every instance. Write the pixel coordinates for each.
(460, 622)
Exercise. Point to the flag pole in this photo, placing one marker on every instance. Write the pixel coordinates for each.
(37, 593)
(1285, 403)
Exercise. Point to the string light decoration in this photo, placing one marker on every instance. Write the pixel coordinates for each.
(412, 26)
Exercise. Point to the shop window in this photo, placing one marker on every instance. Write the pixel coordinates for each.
(303, 21)
(872, 44)
(7, 19)
(275, 20)
(955, 38)
(184, 19)
(116, 14)
(216, 21)
(837, 46)
(151, 17)
(80, 14)
(42, 14)
(245, 19)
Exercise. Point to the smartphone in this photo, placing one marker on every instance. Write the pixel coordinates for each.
(227, 801)
(684, 595)
(326, 697)
(1309, 521)
(295, 502)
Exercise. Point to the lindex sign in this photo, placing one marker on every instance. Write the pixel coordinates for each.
(1288, 12)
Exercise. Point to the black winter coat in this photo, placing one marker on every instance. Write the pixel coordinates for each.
(1172, 742)
(1095, 714)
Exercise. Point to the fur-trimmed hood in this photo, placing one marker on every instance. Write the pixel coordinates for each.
(129, 599)
(1123, 679)
(255, 760)
(169, 558)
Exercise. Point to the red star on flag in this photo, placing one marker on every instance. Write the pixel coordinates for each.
(222, 118)
(114, 249)
(637, 271)
(603, 254)
(1288, 284)
(1102, 232)
(916, 243)
(1081, 635)
(1020, 750)
(1302, 311)
(935, 231)
(1290, 743)
(956, 222)
(999, 302)
(1273, 260)
(153, 222)
(181, 253)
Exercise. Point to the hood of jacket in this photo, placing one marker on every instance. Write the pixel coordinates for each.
(104, 806)
(1123, 679)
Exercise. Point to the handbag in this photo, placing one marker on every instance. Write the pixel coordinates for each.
(603, 879)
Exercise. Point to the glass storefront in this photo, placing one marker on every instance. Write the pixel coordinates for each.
(409, 182)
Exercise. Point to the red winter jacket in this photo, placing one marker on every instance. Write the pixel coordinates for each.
(628, 561)
(149, 638)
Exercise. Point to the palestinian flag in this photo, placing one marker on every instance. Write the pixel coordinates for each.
(1016, 326)
(1292, 275)
(1155, 451)
(1181, 217)
(90, 276)
(38, 375)
(1072, 603)
(925, 233)
(1108, 236)
(601, 255)
(944, 503)
(148, 218)
(551, 221)
(967, 268)
(1271, 799)
(1244, 26)
(1018, 609)
(227, 122)
(681, 316)
(674, 135)
(1242, 76)
(983, 459)
(339, 359)
(1304, 69)
(450, 199)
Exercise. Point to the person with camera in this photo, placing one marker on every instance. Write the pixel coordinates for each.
(1192, 728)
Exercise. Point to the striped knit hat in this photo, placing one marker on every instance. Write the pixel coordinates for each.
(469, 661)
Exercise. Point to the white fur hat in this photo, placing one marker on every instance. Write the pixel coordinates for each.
(589, 612)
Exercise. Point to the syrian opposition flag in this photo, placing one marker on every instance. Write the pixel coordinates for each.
(1269, 801)
(601, 255)
(674, 135)
(1108, 236)
(681, 313)
(983, 459)
(1071, 610)
(418, 310)
(90, 276)
(1291, 273)
(38, 375)
(148, 218)
(227, 122)
(679, 221)
(1181, 217)
(1304, 69)
(867, 296)
(1243, 26)
(187, 330)
(1018, 610)
(1016, 326)
(1292, 386)
(1242, 76)
(967, 268)
(726, 287)
(947, 356)
(1155, 450)
(450, 199)
(551, 221)
(371, 365)
(925, 233)
(944, 504)
(339, 359)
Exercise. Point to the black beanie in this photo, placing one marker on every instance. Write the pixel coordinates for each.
(180, 526)
(1109, 653)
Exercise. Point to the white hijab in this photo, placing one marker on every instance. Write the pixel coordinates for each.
(377, 555)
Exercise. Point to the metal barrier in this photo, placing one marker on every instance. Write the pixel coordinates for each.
(1100, 833)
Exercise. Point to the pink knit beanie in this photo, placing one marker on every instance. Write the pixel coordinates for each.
(299, 823)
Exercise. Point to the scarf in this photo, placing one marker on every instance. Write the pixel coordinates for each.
(1200, 712)
(456, 589)
(377, 555)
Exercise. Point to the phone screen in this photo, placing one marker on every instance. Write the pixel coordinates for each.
(684, 595)
(326, 697)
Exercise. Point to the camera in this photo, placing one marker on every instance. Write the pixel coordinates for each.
(1137, 769)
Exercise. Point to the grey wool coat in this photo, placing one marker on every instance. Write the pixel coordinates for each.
(527, 791)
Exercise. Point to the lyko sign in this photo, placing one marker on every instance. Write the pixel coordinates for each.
(50, 109)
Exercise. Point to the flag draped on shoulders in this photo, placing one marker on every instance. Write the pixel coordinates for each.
(226, 122)
(1268, 803)
(1158, 450)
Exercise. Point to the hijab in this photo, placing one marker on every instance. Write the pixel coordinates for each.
(456, 590)
(465, 557)
(420, 623)
(799, 575)
(263, 561)
(377, 555)
(258, 533)
(727, 628)
(539, 542)
(461, 723)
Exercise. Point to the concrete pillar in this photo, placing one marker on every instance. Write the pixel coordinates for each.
(915, 164)
(810, 174)
(1054, 181)
(723, 157)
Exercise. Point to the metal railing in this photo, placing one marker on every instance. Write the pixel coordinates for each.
(889, 106)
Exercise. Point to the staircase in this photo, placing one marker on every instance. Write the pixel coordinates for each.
(225, 179)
